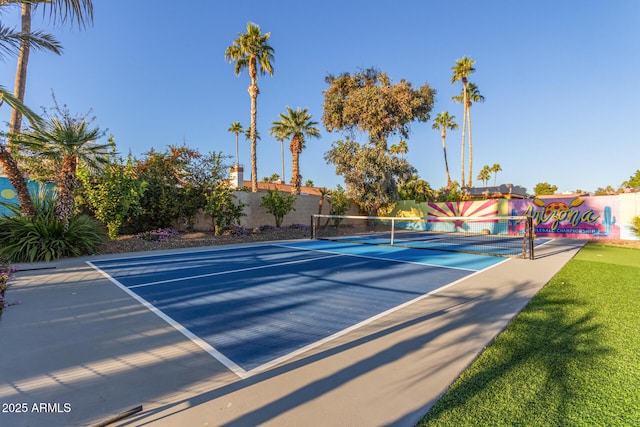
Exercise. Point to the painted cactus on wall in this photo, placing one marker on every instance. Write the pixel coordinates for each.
(607, 222)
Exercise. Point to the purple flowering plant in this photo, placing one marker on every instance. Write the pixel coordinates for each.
(158, 235)
(5, 273)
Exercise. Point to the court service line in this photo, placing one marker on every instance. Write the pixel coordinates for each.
(239, 270)
(380, 258)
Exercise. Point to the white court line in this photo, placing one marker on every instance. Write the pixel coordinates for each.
(219, 273)
(233, 367)
(382, 259)
(187, 254)
(366, 321)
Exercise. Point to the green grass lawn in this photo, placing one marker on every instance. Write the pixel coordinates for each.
(570, 358)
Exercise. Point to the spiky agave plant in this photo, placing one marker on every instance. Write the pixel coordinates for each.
(43, 236)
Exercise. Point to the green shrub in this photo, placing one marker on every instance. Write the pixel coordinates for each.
(340, 203)
(635, 225)
(278, 204)
(224, 212)
(43, 237)
(113, 193)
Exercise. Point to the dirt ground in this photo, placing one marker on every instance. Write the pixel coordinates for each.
(124, 244)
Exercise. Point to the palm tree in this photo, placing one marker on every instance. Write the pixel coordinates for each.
(66, 141)
(495, 169)
(8, 162)
(473, 96)
(461, 71)
(10, 43)
(80, 11)
(247, 136)
(444, 121)
(236, 128)
(279, 137)
(296, 125)
(484, 175)
(251, 50)
(401, 148)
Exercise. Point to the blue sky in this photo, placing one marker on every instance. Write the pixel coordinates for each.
(559, 78)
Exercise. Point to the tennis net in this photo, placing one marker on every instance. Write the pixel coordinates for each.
(507, 236)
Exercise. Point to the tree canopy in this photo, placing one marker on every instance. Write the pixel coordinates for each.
(371, 175)
(544, 189)
(634, 180)
(367, 101)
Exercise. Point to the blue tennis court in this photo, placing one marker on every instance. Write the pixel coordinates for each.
(256, 306)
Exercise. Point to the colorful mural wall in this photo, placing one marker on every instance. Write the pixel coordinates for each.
(488, 209)
(602, 217)
(578, 217)
(8, 193)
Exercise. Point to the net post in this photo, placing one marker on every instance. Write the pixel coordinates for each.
(524, 239)
(393, 229)
(314, 235)
(531, 236)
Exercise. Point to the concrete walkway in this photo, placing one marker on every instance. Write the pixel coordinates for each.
(79, 350)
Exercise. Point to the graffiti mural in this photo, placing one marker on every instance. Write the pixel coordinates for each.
(582, 217)
(8, 193)
(578, 217)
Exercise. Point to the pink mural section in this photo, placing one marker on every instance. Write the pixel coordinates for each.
(576, 217)
(582, 217)
(485, 208)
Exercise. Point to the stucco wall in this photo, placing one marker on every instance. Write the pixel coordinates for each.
(256, 216)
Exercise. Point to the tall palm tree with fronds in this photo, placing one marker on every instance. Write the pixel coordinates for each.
(67, 141)
(60, 11)
(251, 50)
(442, 122)
(484, 175)
(298, 126)
(281, 138)
(11, 42)
(236, 128)
(461, 71)
(473, 96)
(495, 169)
(9, 163)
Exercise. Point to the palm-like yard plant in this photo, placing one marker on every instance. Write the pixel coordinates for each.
(251, 50)
(66, 140)
(297, 125)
